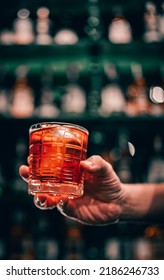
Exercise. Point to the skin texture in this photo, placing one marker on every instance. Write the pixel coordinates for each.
(106, 199)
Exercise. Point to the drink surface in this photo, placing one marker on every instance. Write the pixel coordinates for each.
(54, 160)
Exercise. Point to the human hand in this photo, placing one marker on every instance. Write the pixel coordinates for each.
(102, 200)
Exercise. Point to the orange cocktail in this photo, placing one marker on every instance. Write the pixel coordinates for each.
(55, 152)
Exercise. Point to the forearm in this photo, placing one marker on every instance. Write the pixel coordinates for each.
(143, 202)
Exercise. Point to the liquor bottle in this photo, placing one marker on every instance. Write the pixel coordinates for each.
(43, 27)
(22, 97)
(74, 99)
(137, 93)
(47, 107)
(94, 27)
(151, 19)
(119, 30)
(155, 171)
(112, 96)
(23, 28)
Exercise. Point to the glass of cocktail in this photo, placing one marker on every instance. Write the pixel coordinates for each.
(55, 152)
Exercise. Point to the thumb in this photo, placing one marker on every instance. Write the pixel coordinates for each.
(101, 170)
(96, 164)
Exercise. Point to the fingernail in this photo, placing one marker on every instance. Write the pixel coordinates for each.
(42, 203)
(61, 204)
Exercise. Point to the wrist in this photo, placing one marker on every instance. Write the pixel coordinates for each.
(131, 209)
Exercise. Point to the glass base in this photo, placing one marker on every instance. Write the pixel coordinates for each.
(71, 190)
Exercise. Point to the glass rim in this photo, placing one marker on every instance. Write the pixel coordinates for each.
(46, 124)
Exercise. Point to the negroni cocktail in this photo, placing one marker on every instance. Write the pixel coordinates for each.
(55, 153)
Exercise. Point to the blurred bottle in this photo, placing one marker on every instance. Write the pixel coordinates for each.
(74, 99)
(22, 98)
(4, 102)
(137, 93)
(155, 171)
(2, 180)
(157, 100)
(151, 20)
(7, 36)
(66, 34)
(94, 27)
(47, 107)
(121, 157)
(155, 234)
(20, 242)
(17, 232)
(3, 255)
(20, 156)
(4, 99)
(94, 95)
(66, 37)
(112, 96)
(156, 94)
(43, 27)
(27, 247)
(74, 244)
(143, 249)
(161, 21)
(119, 30)
(99, 142)
(23, 28)
(112, 249)
(46, 246)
